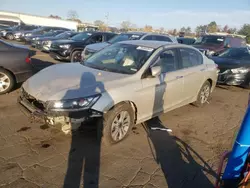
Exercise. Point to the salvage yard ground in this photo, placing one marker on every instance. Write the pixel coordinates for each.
(34, 155)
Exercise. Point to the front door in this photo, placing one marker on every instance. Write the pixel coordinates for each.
(163, 92)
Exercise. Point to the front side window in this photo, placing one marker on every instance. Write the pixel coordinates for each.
(217, 40)
(96, 39)
(190, 58)
(235, 53)
(81, 36)
(167, 61)
(120, 58)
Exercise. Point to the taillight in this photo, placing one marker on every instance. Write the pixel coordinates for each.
(27, 60)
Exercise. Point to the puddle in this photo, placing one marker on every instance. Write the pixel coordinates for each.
(45, 126)
(45, 145)
(23, 129)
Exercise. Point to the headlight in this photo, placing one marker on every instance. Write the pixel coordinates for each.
(47, 43)
(65, 46)
(210, 53)
(73, 104)
(241, 70)
(28, 34)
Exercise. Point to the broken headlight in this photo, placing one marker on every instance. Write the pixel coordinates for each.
(73, 104)
(241, 70)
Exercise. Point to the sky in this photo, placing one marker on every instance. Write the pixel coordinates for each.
(168, 14)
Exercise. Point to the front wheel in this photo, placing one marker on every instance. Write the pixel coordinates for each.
(7, 81)
(10, 36)
(203, 94)
(116, 125)
(76, 56)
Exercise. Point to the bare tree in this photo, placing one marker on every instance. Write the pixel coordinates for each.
(126, 25)
(72, 15)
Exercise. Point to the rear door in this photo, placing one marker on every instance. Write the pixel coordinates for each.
(193, 71)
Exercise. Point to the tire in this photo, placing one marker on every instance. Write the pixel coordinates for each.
(200, 102)
(75, 57)
(106, 133)
(10, 36)
(7, 81)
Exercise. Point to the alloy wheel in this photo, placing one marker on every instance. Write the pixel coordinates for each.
(77, 57)
(205, 92)
(4, 82)
(120, 125)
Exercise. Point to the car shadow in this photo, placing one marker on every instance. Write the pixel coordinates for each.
(181, 165)
(84, 155)
(38, 64)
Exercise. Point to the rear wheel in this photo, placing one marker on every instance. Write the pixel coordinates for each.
(10, 36)
(116, 125)
(76, 56)
(203, 95)
(7, 81)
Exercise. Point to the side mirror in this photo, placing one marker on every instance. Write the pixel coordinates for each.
(155, 71)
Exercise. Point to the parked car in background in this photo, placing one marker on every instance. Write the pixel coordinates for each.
(36, 38)
(187, 41)
(3, 27)
(70, 50)
(28, 35)
(15, 65)
(44, 43)
(27, 28)
(216, 43)
(93, 48)
(112, 86)
(9, 33)
(234, 65)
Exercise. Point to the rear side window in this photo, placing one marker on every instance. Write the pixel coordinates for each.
(190, 58)
(149, 37)
(237, 42)
(158, 38)
(109, 36)
(162, 38)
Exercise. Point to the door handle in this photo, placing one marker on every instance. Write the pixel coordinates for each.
(179, 77)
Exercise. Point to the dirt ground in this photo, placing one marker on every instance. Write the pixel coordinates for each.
(34, 155)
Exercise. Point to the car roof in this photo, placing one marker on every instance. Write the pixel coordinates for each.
(152, 43)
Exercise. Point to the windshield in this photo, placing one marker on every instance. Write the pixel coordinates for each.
(63, 35)
(120, 58)
(235, 53)
(50, 34)
(81, 36)
(123, 37)
(210, 40)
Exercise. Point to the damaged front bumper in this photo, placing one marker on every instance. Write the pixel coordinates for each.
(65, 120)
(229, 78)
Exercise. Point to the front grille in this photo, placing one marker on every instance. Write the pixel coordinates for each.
(38, 104)
(54, 46)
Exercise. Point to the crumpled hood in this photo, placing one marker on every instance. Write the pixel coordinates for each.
(69, 81)
(98, 46)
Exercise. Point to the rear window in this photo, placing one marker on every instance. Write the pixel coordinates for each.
(210, 40)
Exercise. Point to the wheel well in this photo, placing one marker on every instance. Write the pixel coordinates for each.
(133, 106)
(210, 81)
(77, 49)
(9, 72)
